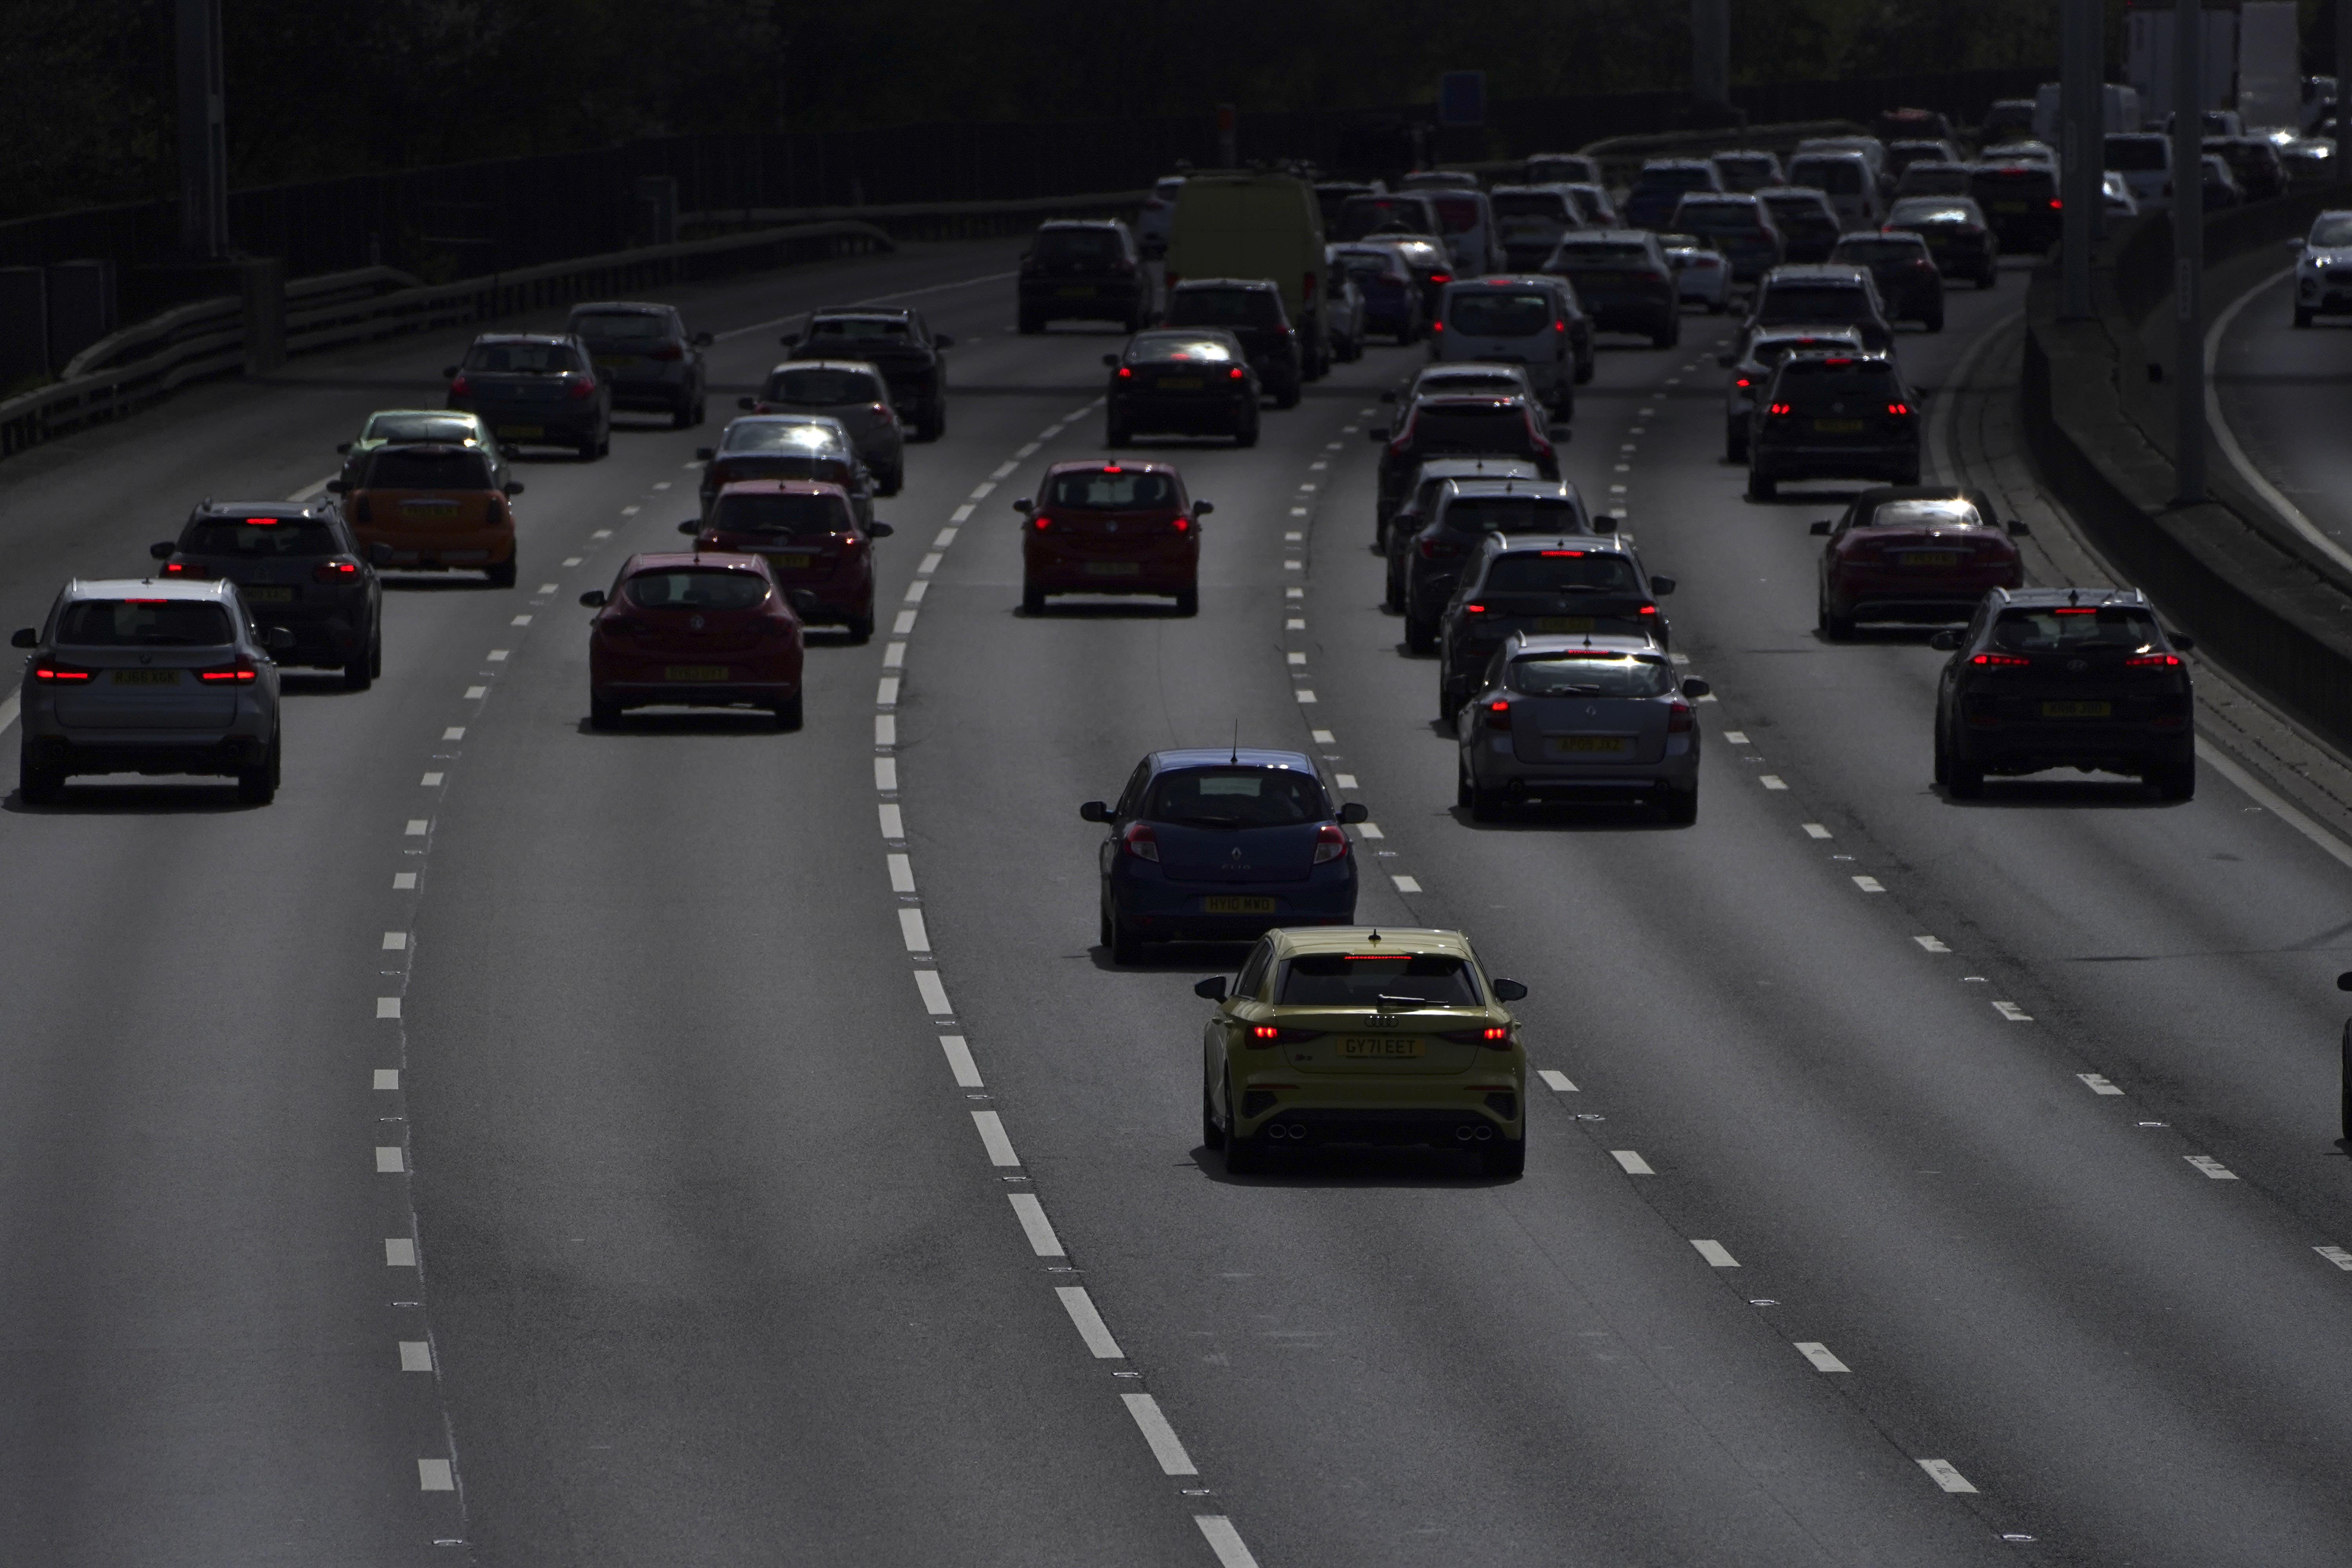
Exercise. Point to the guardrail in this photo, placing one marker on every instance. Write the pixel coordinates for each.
(931, 220)
(152, 359)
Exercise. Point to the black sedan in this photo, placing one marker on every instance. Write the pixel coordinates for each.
(1183, 380)
(1904, 271)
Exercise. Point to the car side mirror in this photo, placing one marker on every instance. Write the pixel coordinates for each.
(942, 340)
(278, 639)
(2343, 982)
(1202, 509)
(1355, 811)
(746, 403)
(593, 599)
(337, 487)
(161, 551)
(1025, 506)
(1213, 989)
(448, 372)
(1822, 527)
(2181, 640)
(701, 340)
(1945, 641)
(1111, 361)
(1662, 586)
(802, 600)
(1377, 434)
(1694, 688)
(879, 530)
(1094, 811)
(24, 636)
(512, 487)
(2018, 529)
(379, 553)
(703, 453)
(1509, 990)
(344, 449)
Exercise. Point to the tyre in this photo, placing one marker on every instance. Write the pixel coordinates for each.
(1465, 788)
(1395, 599)
(1962, 775)
(1031, 323)
(1419, 637)
(1734, 441)
(894, 481)
(1988, 278)
(603, 715)
(502, 574)
(1188, 601)
(2302, 316)
(861, 627)
(1033, 600)
(1116, 435)
(1507, 1157)
(682, 416)
(789, 713)
(376, 650)
(258, 785)
(1212, 1135)
(1126, 947)
(1485, 805)
(604, 443)
(1672, 335)
(932, 425)
(1717, 307)
(2346, 1080)
(1835, 628)
(1242, 1155)
(1934, 324)
(1943, 761)
(1584, 366)
(2175, 781)
(589, 452)
(36, 785)
(1680, 807)
(1286, 395)
(1762, 487)
(357, 676)
(1247, 435)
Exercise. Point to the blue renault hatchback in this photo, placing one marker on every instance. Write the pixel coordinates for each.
(1222, 846)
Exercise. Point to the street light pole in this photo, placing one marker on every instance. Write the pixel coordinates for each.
(2189, 251)
(1711, 51)
(2082, 144)
(204, 136)
(2343, 90)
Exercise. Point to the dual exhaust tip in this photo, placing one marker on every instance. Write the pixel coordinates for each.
(1481, 1134)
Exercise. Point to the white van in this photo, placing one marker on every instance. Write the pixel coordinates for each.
(2144, 159)
(1511, 321)
(1849, 182)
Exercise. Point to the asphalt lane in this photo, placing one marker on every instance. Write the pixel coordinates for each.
(2280, 390)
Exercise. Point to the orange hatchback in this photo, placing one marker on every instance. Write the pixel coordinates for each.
(1111, 528)
(431, 507)
(696, 630)
(808, 533)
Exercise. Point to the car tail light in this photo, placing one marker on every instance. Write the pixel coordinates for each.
(1902, 409)
(2000, 660)
(1330, 844)
(1475, 609)
(1437, 326)
(181, 568)
(1498, 714)
(1559, 326)
(334, 570)
(1141, 842)
(1125, 374)
(49, 672)
(1274, 1033)
(668, 351)
(584, 387)
(1647, 610)
(1779, 409)
(458, 387)
(1741, 381)
(2055, 203)
(1234, 373)
(2153, 661)
(1495, 1035)
(1441, 277)
(1180, 523)
(238, 671)
(1042, 522)
(1679, 718)
(1438, 550)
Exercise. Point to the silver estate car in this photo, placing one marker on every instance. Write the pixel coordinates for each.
(150, 677)
(1568, 716)
(851, 391)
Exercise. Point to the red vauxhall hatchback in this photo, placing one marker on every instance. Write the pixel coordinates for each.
(808, 533)
(694, 629)
(1111, 528)
(1914, 553)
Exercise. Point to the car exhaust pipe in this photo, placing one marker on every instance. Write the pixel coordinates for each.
(1485, 1134)
(1462, 1134)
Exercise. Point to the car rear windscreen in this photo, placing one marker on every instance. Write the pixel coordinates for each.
(821, 389)
(1839, 176)
(143, 623)
(1813, 302)
(1584, 675)
(1798, 211)
(1865, 252)
(2141, 153)
(258, 538)
(1500, 428)
(1580, 257)
(1911, 212)
(1168, 348)
(2032, 182)
(1772, 350)
(1459, 213)
(1833, 381)
(1235, 798)
(1550, 205)
(785, 436)
(1486, 313)
(859, 328)
(801, 516)
(1063, 245)
(1718, 217)
(523, 359)
(1105, 489)
(455, 430)
(2332, 232)
(1560, 572)
(1224, 308)
(621, 326)
(1514, 514)
(2067, 628)
(1925, 512)
(1373, 215)
(407, 469)
(1675, 178)
(1346, 980)
(697, 588)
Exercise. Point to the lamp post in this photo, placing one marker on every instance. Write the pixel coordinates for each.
(2189, 251)
(2082, 144)
(204, 136)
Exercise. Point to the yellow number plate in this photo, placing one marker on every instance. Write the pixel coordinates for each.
(268, 595)
(2077, 710)
(1837, 426)
(1234, 904)
(522, 432)
(696, 672)
(146, 678)
(1180, 383)
(1604, 745)
(792, 563)
(1377, 1047)
(1565, 624)
(1931, 558)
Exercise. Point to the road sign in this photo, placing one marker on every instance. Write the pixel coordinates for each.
(1462, 98)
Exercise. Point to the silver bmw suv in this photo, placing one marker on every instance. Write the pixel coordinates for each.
(148, 676)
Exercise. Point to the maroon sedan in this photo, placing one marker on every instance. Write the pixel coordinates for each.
(808, 533)
(1111, 528)
(697, 629)
(1915, 554)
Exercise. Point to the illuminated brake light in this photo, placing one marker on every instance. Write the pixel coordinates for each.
(2003, 660)
(1112, 468)
(1498, 714)
(2078, 610)
(1140, 841)
(1441, 277)
(1264, 1032)
(458, 387)
(1125, 374)
(1180, 523)
(1781, 408)
(1235, 373)
(1898, 408)
(1679, 718)
(46, 673)
(181, 568)
(1647, 610)
(1330, 844)
(1437, 326)
(1579, 553)
(2152, 661)
(262, 521)
(334, 570)
(1042, 522)
(584, 387)
(1742, 382)
(240, 672)
(1475, 609)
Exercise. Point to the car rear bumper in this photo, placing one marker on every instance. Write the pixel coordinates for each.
(1774, 461)
(212, 751)
(438, 550)
(564, 424)
(1108, 300)
(2122, 748)
(1161, 909)
(1630, 313)
(693, 694)
(1504, 770)
(1386, 1108)
(1220, 415)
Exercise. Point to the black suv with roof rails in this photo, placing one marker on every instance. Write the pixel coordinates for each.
(1570, 584)
(1833, 416)
(898, 342)
(1251, 309)
(1464, 513)
(297, 566)
(2055, 677)
(1083, 269)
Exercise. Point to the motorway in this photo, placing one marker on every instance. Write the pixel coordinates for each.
(694, 1144)
(2278, 391)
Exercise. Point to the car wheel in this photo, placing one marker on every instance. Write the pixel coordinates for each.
(1762, 487)
(1242, 1155)
(258, 785)
(1395, 599)
(682, 416)
(1188, 601)
(1286, 395)
(2345, 1079)
(2302, 316)
(2175, 781)
(502, 574)
(1507, 1157)
(1126, 947)
(1717, 307)
(36, 785)
(1449, 704)
(1033, 600)
(1834, 627)
(1734, 441)
(1212, 1135)
(1419, 637)
(934, 424)
(1584, 370)
(1962, 776)
(1031, 323)
(1115, 433)
(603, 715)
(1934, 324)
(1680, 807)
(357, 676)
(604, 443)
(1988, 278)
(1247, 435)
(789, 713)
(376, 650)
(1465, 788)
(589, 450)
(861, 627)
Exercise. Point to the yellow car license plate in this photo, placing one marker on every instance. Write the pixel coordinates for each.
(268, 595)
(2077, 709)
(1180, 383)
(1931, 558)
(1564, 624)
(1114, 568)
(523, 432)
(1838, 426)
(146, 678)
(695, 672)
(792, 563)
(1597, 745)
(1235, 904)
(1377, 1047)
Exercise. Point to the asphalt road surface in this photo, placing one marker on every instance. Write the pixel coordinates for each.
(694, 1145)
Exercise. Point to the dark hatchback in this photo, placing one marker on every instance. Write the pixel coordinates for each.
(1571, 584)
(1809, 226)
(1222, 845)
(1661, 187)
(1395, 531)
(1909, 284)
(1466, 512)
(901, 344)
(1251, 310)
(2020, 201)
(297, 567)
(1624, 283)
(1834, 416)
(1184, 382)
(1462, 425)
(1958, 239)
(2054, 678)
(1741, 227)
(535, 390)
(1080, 271)
(812, 539)
(787, 447)
(647, 356)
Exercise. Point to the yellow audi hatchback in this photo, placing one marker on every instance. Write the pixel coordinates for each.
(1363, 1035)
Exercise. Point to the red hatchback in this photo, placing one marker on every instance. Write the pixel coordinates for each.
(1914, 553)
(1111, 528)
(696, 631)
(807, 531)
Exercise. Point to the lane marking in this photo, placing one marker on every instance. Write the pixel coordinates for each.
(960, 1062)
(399, 1252)
(902, 873)
(1036, 1227)
(387, 1006)
(2013, 1011)
(601, 533)
(1323, 737)
(1298, 512)
(1346, 780)
(388, 1160)
(894, 825)
(550, 587)
(1634, 1165)
(886, 730)
(1294, 592)
(911, 929)
(1405, 884)
(947, 537)
(1736, 736)
(1028, 451)
(885, 773)
(2262, 796)
(1944, 1476)
(2098, 1083)
(1819, 1354)
(8, 710)
(1815, 830)
(434, 1476)
(1868, 884)
(894, 656)
(1294, 625)
(1294, 564)
(395, 941)
(1303, 694)
(1716, 1255)
(1368, 830)
(1004, 471)
(962, 514)
(416, 1355)
(929, 565)
(403, 880)
(631, 510)
(520, 621)
(573, 560)
(386, 1078)
(1161, 1435)
(2214, 1169)
(905, 624)
(1771, 781)
(1298, 659)
(885, 691)
(917, 589)
(980, 491)
(430, 781)
(935, 995)
(2335, 1255)
(2227, 438)
(1224, 1541)
(992, 1136)
(1293, 537)
(475, 693)
(1555, 1079)
(417, 826)
(454, 732)
(1931, 943)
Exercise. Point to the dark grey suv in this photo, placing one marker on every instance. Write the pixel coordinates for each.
(536, 389)
(647, 356)
(298, 567)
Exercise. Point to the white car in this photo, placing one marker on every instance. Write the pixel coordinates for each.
(2144, 159)
(1157, 218)
(1344, 309)
(2323, 272)
(1701, 276)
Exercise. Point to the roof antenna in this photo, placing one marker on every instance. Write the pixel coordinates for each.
(2073, 596)
(1237, 741)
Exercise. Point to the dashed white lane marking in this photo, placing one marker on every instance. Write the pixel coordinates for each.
(416, 1355)
(1621, 468)
(946, 537)
(1297, 658)
(935, 995)
(1293, 537)
(1405, 884)
(1318, 466)
(894, 656)
(1028, 451)
(1156, 1431)
(520, 621)
(1944, 1476)
(1370, 830)
(1635, 1165)
(386, 1078)
(2335, 1255)
(388, 1160)
(886, 730)
(1555, 1079)
(1819, 1354)
(885, 773)
(1303, 694)
(1004, 471)
(1298, 512)
(992, 1136)
(601, 533)
(905, 624)
(929, 565)
(1716, 1255)
(1815, 830)
(403, 880)
(395, 941)
(387, 1006)
(902, 873)
(1309, 486)
(960, 1062)
(1736, 736)
(1933, 944)
(1294, 625)
(631, 510)
(416, 827)
(454, 732)
(475, 693)
(1294, 592)
(2213, 1168)
(894, 825)
(1035, 1226)
(550, 587)
(2013, 1011)
(981, 491)
(1868, 884)
(1770, 781)
(961, 513)
(886, 692)
(1323, 737)
(434, 1476)
(917, 589)
(911, 929)
(1294, 564)
(399, 1252)
(1224, 1541)
(430, 781)
(1345, 781)
(2098, 1083)
(573, 560)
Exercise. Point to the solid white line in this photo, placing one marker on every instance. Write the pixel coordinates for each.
(960, 1062)
(1716, 1253)
(399, 1252)
(416, 1355)
(1224, 1541)
(395, 941)
(1868, 884)
(430, 781)
(1156, 1431)
(1036, 1227)
(1555, 1079)
(1815, 830)
(403, 880)
(8, 708)
(1931, 943)
(1635, 1165)
(1770, 781)
(388, 1160)
(894, 825)
(1819, 1354)
(434, 1476)
(902, 873)
(886, 730)
(885, 691)
(992, 1138)
(387, 1006)
(2335, 1255)
(1940, 417)
(2013, 1011)
(416, 827)
(1405, 884)
(2269, 800)
(2098, 1083)
(911, 929)
(1950, 1480)
(935, 995)
(386, 1078)
(894, 656)
(2227, 438)
(2213, 1168)
(885, 773)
